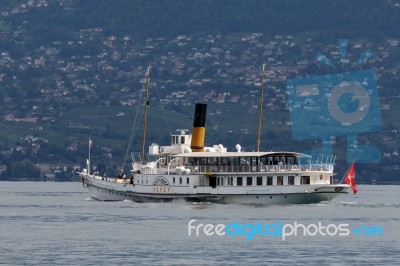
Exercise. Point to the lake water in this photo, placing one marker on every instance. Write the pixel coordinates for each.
(57, 223)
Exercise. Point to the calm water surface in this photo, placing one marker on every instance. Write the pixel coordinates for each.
(57, 223)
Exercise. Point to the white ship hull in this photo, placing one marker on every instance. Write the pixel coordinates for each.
(106, 190)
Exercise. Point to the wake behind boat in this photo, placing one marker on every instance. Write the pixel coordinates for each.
(188, 170)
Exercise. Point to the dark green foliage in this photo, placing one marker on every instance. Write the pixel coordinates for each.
(24, 170)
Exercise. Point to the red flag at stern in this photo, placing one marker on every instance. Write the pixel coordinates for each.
(350, 178)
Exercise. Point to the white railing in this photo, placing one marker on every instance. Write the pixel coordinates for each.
(238, 169)
(264, 168)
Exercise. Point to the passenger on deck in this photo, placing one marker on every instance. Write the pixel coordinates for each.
(120, 175)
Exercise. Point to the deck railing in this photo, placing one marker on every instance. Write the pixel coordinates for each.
(263, 168)
(240, 169)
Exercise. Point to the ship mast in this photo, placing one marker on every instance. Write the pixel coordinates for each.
(146, 106)
(260, 108)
